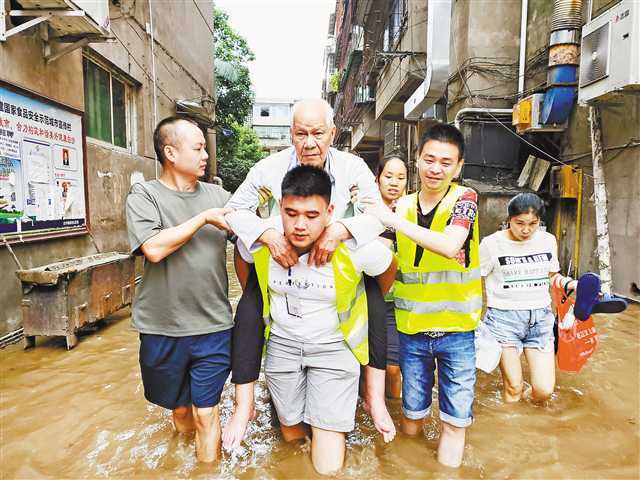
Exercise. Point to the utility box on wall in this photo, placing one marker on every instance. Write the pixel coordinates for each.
(527, 116)
(564, 182)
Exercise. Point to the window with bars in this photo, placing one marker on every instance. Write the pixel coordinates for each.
(396, 24)
(272, 132)
(107, 105)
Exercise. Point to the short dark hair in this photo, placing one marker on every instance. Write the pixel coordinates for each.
(164, 134)
(384, 160)
(307, 181)
(444, 133)
(526, 203)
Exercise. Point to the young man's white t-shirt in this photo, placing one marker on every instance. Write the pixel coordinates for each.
(517, 273)
(303, 297)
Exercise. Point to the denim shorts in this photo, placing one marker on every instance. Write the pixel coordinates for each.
(455, 356)
(522, 328)
(182, 371)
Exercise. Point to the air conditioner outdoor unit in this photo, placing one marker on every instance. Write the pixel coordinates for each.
(70, 20)
(610, 53)
(97, 10)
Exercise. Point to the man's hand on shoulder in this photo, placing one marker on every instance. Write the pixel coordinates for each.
(281, 250)
(215, 217)
(327, 244)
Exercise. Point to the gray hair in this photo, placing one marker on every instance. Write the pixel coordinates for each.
(328, 118)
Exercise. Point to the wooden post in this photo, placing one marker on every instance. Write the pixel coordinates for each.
(600, 193)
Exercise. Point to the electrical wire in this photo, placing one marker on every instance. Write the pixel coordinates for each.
(204, 18)
(522, 139)
(135, 60)
(633, 142)
(535, 63)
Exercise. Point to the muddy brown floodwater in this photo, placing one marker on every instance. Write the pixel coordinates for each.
(82, 414)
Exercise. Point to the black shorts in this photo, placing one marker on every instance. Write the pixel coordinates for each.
(182, 371)
(393, 339)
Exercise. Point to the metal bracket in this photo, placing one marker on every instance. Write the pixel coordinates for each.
(69, 48)
(399, 54)
(40, 16)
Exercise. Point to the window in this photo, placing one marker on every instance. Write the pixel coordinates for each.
(264, 111)
(281, 111)
(272, 132)
(107, 105)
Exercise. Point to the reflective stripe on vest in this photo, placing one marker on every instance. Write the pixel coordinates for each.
(426, 278)
(351, 299)
(440, 293)
(435, 307)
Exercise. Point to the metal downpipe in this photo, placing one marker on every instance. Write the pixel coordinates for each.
(562, 74)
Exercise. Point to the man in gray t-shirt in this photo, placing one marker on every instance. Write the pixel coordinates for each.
(182, 309)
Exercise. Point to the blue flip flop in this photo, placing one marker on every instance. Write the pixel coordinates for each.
(609, 304)
(586, 295)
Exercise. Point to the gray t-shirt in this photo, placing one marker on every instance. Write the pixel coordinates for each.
(186, 293)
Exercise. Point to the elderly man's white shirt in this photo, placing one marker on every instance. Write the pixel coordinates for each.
(346, 171)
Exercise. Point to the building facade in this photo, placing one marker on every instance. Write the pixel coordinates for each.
(94, 92)
(401, 65)
(271, 120)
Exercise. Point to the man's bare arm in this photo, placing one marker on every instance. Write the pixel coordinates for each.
(447, 243)
(168, 240)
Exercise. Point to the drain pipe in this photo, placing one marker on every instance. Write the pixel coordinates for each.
(491, 114)
(523, 46)
(564, 50)
(153, 74)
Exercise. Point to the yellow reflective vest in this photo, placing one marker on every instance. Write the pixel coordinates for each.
(439, 294)
(351, 299)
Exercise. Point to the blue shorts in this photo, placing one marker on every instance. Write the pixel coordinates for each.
(393, 342)
(522, 328)
(182, 371)
(455, 356)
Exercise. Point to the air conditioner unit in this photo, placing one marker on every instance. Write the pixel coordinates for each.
(96, 10)
(70, 20)
(610, 53)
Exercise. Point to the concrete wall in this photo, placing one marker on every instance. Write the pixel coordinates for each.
(489, 29)
(184, 65)
(620, 124)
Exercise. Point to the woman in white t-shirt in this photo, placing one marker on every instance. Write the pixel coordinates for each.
(518, 265)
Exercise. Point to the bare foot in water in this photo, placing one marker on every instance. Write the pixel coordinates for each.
(234, 431)
(381, 419)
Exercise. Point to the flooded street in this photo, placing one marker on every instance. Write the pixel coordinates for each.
(82, 414)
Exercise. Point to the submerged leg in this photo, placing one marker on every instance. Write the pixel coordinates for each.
(543, 373)
(327, 450)
(183, 419)
(511, 374)
(207, 422)
(451, 446)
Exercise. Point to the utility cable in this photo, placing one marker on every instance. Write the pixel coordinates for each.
(204, 18)
(524, 140)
